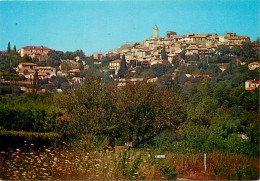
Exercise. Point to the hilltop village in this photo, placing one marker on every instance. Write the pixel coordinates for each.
(144, 111)
(170, 59)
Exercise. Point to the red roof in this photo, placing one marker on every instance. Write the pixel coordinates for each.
(253, 81)
(48, 68)
(116, 61)
(36, 47)
(74, 71)
(192, 48)
(28, 64)
(204, 75)
(239, 38)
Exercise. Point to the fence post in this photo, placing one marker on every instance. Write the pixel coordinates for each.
(205, 162)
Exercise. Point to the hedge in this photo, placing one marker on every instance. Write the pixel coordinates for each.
(10, 140)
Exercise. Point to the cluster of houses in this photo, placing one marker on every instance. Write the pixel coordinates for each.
(149, 50)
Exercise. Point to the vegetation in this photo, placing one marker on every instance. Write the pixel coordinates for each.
(180, 116)
(123, 68)
(140, 113)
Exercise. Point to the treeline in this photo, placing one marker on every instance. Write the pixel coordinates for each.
(206, 117)
(31, 112)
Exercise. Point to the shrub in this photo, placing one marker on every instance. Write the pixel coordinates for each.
(238, 145)
(169, 171)
(15, 139)
(243, 173)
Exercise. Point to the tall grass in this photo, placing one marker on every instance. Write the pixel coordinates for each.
(64, 164)
(220, 165)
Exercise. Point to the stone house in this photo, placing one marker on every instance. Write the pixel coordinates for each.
(251, 84)
(39, 52)
(115, 65)
(25, 69)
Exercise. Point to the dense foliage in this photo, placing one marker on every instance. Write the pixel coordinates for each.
(31, 112)
(135, 113)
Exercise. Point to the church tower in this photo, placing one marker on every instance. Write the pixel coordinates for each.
(155, 32)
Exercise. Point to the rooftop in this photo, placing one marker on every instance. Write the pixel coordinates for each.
(116, 61)
(36, 47)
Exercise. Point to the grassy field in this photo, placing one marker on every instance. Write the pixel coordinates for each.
(66, 164)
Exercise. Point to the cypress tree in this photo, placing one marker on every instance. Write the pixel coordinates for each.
(123, 68)
(163, 54)
(14, 49)
(36, 80)
(9, 47)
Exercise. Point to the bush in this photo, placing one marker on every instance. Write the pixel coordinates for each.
(15, 139)
(214, 142)
(169, 171)
(243, 173)
(238, 145)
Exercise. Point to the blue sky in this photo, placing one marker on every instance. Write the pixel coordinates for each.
(104, 25)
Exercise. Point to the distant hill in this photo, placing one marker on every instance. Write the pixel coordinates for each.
(122, 47)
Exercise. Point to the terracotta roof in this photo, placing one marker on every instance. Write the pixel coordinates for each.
(200, 36)
(116, 61)
(239, 38)
(170, 44)
(192, 48)
(253, 81)
(28, 64)
(74, 71)
(203, 75)
(254, 63)
(49, 68)
(36, 47)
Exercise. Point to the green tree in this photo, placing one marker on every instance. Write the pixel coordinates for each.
(163, 54)
(223, 49)
(257, 41)
(36, 80)
(235, 50)
(81, 66)
(158, 70)
(248, 49)
(14, 49)
(140, 113)
(8, 47)
(123, 68)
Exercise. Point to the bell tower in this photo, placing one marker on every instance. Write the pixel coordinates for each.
(155, 32)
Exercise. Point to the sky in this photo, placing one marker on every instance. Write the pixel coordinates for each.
(100, 26)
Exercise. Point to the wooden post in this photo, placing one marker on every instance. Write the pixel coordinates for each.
(205, 162)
